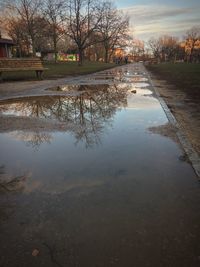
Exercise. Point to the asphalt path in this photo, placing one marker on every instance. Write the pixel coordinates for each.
(93, 174)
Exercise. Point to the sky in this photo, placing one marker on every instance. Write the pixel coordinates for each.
(152, 18)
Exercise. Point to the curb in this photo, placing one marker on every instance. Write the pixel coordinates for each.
(186, 145)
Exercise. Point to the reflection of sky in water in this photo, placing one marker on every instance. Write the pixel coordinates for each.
(139, 84)
(60, 163)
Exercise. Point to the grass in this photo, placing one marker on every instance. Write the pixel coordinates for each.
(185, 76)
(58, 70)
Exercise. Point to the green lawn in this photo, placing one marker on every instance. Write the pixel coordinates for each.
(58, 70)
(185, 76)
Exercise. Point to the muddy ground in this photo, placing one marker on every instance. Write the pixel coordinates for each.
(185, 108)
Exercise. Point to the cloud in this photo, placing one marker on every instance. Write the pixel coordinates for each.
(151, 20)
(147, 12)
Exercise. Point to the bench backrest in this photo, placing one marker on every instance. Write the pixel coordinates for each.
(21, 63)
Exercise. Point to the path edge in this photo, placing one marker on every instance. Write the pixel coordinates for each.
(186, 145)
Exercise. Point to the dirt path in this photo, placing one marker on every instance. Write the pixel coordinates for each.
(8, 89)
(184, 109)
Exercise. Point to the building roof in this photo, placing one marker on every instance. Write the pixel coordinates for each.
(6, 41)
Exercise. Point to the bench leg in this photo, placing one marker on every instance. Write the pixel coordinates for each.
(39, 74)
(36, 73)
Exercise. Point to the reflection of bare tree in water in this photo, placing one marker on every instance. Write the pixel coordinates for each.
(34, 139)
(39, 138)
(85, 115)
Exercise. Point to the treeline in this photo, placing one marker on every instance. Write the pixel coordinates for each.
(168, 48)
(79, 26)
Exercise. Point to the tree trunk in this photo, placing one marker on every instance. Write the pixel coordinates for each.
(55, 50)
(80, 62)
(191, 54)
(33, 47)
(106, 55)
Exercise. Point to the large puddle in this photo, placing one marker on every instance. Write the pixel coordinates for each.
(81, 177)
(75, 142)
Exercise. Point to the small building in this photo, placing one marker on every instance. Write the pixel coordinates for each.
(6, 47)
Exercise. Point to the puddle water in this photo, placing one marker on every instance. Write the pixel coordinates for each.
(79, 175)
(88, 117)
(137, 78)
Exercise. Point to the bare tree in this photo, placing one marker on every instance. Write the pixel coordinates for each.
(192, 37)
(83, 19)
(136, 48)
(155, 47)
(113, 26)
(169, 47)
(16, 30)
(54, 14)
(28, 12)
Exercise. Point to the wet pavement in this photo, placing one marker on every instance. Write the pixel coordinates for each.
(92, 175)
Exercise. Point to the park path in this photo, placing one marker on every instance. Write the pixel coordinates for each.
(92, 174)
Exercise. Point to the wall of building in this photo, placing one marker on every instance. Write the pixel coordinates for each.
(2, 51)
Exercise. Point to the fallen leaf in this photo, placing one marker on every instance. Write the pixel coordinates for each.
(35, 252)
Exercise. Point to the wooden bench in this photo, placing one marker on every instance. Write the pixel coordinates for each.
(21, 64)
